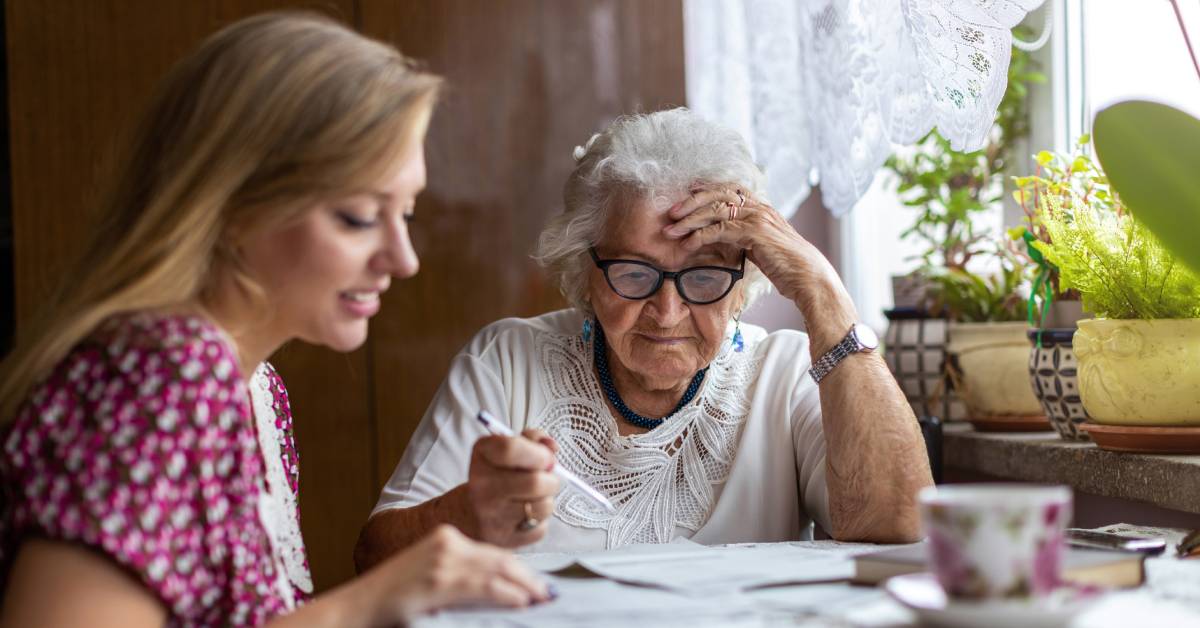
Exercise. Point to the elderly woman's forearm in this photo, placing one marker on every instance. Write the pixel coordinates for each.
(392, 531)
(877, 462)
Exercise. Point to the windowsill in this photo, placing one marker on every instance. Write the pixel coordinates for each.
(1171, 482)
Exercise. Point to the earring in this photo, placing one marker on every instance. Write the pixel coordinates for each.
(587, 330)
(738, 342)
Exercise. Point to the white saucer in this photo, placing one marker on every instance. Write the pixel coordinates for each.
(922, 593)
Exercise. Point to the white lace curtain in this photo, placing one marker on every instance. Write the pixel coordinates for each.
(823, 89)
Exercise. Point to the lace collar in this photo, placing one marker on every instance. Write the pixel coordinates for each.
(659, 480)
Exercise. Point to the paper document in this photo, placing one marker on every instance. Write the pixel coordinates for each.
(697, 570)
(681, 585)
(591, 602)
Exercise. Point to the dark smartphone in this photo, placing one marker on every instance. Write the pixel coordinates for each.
(1107, 540)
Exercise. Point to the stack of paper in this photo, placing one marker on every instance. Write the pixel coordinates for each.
(696, 570)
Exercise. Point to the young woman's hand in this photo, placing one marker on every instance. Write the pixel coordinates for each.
(448, 569)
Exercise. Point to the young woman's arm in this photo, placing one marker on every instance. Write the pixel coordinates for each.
(53, 583)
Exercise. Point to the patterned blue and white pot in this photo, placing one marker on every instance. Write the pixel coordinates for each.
(1054, 373)
(914, 348)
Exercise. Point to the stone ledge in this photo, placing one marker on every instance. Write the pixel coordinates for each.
(1166, 481)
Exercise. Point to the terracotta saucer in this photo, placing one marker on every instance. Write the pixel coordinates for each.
(1012, 423)
(1145, 439)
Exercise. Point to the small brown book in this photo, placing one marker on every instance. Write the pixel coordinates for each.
(1083, 566)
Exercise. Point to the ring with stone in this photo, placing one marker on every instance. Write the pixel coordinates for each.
(741, 198)
(529, 522)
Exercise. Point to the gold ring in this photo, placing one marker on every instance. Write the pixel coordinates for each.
(529, 522)
(733, 210)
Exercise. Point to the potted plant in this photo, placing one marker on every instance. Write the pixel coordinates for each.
(965, 277)
(1054, 310)
(1139, 359)
(986, 343)
(1139, 272)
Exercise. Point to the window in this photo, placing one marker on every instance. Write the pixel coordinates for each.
(1136, 50)
(1102, 52)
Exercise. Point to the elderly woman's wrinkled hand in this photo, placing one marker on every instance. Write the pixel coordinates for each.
(727, 214)
(510, 488)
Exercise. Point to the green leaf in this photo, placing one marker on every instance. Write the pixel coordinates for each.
(1151, 154)
(1044, 157)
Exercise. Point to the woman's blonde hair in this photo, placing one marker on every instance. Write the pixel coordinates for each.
(267, 117)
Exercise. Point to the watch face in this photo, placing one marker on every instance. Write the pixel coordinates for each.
(866, 336)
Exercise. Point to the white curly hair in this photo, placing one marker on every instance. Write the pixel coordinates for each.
(640, 157)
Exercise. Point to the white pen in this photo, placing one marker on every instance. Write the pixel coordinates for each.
(496, 427)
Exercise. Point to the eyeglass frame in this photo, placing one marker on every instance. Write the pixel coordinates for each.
(664, 275)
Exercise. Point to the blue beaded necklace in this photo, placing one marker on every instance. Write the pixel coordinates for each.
(600, 356)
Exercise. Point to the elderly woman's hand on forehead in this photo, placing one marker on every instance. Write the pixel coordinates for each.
(726, 214)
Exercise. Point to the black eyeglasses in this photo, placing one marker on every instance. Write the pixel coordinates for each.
(699, 285)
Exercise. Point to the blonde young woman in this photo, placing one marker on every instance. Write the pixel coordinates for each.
(149, 473)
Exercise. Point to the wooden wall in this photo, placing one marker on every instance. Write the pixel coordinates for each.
(528, 80)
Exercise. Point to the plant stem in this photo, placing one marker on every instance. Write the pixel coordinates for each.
(1186, 39)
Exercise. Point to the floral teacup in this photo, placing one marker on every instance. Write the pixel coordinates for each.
(996, 540)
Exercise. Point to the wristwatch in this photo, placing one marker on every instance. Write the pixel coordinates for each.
(859, 338)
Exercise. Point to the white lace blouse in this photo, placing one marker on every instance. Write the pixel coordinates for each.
(744, 462)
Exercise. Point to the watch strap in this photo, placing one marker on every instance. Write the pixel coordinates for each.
(824, 364)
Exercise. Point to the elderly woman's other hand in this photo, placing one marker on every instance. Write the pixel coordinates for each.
(510, 489)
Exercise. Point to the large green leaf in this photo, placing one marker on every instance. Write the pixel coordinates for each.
(1151, 154)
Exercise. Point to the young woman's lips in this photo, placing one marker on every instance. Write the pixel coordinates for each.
(361, 304)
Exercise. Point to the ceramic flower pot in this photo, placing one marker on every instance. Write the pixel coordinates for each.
(991, 364)
(909, 291)
(1140, 372)
(1054, 373)
(915, 351)
(1064, 314)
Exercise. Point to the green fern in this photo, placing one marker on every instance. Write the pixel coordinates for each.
(1119, 267)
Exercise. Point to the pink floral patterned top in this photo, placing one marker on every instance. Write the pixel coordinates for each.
(142, 445)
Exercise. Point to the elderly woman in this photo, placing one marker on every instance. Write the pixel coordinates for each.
(650, 388)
